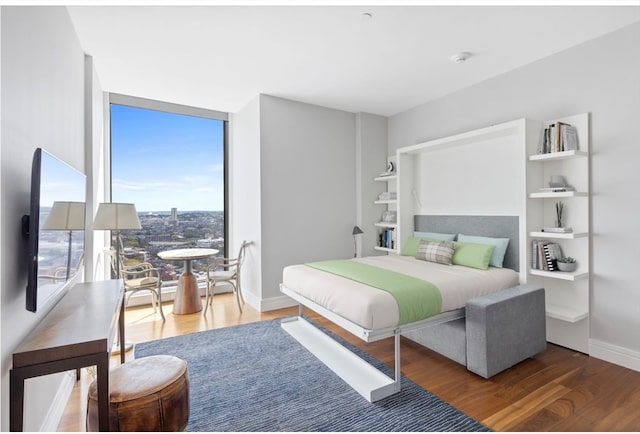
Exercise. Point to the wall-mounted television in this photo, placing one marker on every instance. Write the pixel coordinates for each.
(54, 228)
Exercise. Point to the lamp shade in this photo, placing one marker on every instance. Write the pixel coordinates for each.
(116, 216)
(67, 216)
(356, 230)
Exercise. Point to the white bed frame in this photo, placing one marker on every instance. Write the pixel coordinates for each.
(367, 380)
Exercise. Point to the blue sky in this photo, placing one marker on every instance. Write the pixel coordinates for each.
(164, 160)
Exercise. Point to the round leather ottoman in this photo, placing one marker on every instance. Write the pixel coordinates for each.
(146, 394)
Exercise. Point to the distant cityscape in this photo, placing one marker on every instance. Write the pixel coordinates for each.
(174, 229)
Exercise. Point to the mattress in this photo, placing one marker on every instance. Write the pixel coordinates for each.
(373, 308)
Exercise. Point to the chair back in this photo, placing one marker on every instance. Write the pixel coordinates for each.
(240, 260)
(117, 263)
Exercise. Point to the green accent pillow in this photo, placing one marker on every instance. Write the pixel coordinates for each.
(410, 248)
(473, 255)
(501, 244)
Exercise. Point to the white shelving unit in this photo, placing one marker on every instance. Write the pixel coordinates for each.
(431, 173)
(567, 293)
(390, 205)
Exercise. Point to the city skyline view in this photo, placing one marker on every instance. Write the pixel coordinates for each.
(165, 160)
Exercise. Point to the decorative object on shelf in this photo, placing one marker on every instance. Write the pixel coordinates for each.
(567, 263)
(389, 217)
(356, 231)
(559, 212)
(66, 216)
(391, 169)
(557, 184)
(117, 217)
(388, 195)
(557, 181)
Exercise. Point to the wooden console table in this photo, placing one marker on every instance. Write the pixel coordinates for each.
(76, 333)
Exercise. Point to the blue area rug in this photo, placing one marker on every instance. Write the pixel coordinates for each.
(255, 377)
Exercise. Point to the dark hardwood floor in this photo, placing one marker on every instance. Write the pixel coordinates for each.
(558, 390)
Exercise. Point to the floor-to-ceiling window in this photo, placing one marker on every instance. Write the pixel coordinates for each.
(170, 161)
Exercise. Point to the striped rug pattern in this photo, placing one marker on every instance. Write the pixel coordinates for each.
(255, 377)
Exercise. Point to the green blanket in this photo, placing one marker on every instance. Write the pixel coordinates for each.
(417, 299)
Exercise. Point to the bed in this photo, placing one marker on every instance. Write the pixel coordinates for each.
(343, 292)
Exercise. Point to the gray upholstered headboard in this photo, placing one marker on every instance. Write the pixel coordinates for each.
(486, 226)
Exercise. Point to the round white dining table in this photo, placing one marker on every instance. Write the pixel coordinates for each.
(187, 298)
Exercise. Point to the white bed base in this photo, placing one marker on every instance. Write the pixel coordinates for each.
(367, 380)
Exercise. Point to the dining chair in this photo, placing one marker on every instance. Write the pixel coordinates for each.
(141, 276)
(226, 270)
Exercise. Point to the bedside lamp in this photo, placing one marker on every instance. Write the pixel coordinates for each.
(65, 216)
(356, 231)
(117, 217)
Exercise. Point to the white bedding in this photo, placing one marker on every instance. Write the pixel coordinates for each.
(373, 308)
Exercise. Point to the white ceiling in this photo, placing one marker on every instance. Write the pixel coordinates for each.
(221, 57)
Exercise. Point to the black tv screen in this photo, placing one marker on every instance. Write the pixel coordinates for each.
(54, 252)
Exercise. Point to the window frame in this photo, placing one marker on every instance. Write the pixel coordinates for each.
(150, 104)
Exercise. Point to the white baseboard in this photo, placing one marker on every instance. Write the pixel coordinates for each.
(614, 354)
(274, 303)
(168, 294)
(59, 403)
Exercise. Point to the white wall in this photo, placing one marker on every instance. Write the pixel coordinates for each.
(600, 77)
(95, 164)
(42, 106)
(244, 194)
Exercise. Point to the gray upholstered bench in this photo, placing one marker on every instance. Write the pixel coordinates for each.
(499, 331)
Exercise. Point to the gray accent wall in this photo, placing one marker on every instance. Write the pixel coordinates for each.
(371, 159)
(42, 81)
(298, 166)
(600, 77)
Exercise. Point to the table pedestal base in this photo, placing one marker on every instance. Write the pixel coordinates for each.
(187, 298)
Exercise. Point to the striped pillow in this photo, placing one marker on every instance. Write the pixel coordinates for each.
(434, 251)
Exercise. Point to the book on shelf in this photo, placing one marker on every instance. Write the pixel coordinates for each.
(387, 239)
(559, 137)
(558, 230)
(545, 255)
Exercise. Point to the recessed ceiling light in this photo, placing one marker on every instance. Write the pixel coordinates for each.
(460, 57)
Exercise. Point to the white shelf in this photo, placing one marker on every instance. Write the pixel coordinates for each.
(562, 275)
(564, 313)
(385, 178)
(484, 134)
(551, 195)
(569, 236)
(386, 202)
(385, 249)
(558, 155)
(386, 225)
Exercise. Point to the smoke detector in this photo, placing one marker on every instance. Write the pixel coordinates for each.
(460, 57)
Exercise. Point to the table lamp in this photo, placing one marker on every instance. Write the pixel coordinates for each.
(65, 216)
(356, 231)
(117, 217)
